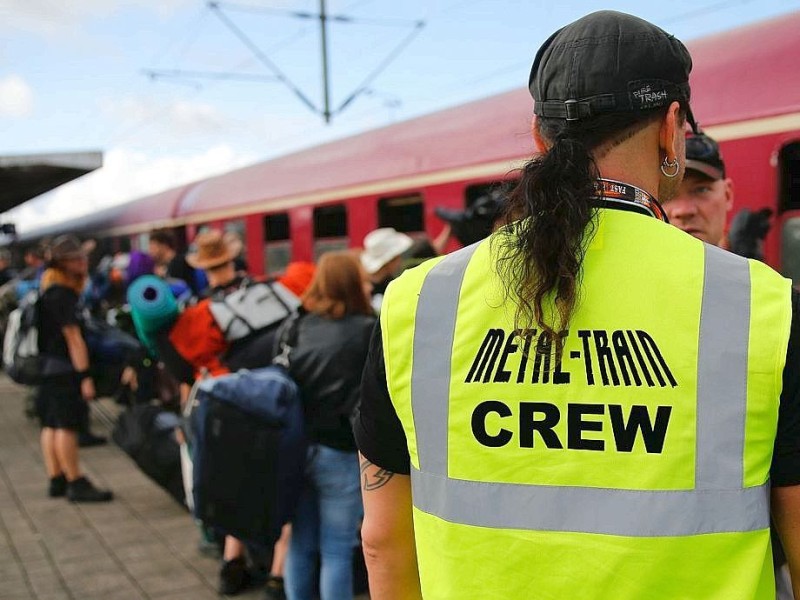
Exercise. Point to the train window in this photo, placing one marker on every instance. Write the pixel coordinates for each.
(330, 229)
(330, 221)
(404, 213)
(238, 227)
(277, 243)
(790, 177)
(276, 227)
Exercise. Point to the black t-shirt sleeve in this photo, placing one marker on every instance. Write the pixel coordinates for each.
(61, 305)
(785, 469)
(378, 431)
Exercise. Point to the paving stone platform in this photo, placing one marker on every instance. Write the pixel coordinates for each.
(141, 545)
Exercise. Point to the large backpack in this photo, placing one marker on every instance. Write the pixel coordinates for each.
(251, 308)
(21, 358)
(249, 452)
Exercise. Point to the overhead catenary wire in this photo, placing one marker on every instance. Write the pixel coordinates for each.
(217, 7)
(192, 31)
(193, 28)
(299, 14)
(364, 85)
(213, 75)
(282, 77)
(157, 116)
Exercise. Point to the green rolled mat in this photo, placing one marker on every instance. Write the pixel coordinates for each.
(153, 307)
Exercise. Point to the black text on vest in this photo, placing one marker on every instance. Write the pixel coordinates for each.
(624, 357)
(535, 424)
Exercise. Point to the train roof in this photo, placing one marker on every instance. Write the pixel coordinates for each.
(492, 130)
(153, 211)
(742, 74)
(747, 73)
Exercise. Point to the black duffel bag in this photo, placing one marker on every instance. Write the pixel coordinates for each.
(152, 447)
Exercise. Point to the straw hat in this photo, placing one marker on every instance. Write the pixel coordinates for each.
(213, 250)
(381, 246)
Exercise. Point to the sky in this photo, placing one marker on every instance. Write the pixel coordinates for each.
(77, 75)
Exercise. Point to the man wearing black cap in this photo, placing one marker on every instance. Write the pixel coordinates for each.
(586, 404)
(705, 196)
(701, 209)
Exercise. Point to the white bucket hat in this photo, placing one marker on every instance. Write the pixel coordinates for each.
(381, 246)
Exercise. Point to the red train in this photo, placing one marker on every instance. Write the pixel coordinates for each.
(745, 93)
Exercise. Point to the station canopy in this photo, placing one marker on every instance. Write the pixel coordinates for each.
(24, 177)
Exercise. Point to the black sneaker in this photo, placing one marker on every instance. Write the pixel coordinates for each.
(88, 440)
(82, 490)
(233, 576)
(274, 588)
(58, 487)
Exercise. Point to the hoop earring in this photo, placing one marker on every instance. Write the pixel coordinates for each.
(670, 165)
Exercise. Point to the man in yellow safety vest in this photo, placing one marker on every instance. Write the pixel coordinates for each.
(589, 404)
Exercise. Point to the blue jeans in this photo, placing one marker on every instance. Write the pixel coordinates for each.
(326, 525)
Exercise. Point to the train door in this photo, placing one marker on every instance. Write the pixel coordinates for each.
(277, 243)
(789, 203)
(330, 229)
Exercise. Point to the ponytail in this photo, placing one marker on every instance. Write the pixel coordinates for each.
(550, 212)
(550, 218)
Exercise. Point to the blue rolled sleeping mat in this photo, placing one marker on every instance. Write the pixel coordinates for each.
(153, 308)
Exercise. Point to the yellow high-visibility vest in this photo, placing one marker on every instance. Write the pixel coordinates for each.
(626, 459)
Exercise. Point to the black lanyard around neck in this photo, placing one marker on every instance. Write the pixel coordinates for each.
(616, 194)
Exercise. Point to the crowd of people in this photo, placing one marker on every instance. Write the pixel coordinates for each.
(372, 363)
(92, 340)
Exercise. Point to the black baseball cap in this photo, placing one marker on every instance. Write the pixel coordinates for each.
(609, 62)
(703, 155)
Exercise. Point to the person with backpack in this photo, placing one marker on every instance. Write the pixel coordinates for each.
(65, 380)
(199, 340)
(163, 248)
(328, 356)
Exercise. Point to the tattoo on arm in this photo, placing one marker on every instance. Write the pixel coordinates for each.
(373, 477)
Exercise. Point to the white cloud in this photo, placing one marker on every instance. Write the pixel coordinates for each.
(54, 16)
(16, 97)
(180, 117)
(125, 175)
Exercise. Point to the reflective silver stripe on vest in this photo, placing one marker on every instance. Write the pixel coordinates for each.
(718, 504)
(632, 513)
(722, 371)
(434, 330)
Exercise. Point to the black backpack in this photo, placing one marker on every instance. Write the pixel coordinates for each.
(249, 450)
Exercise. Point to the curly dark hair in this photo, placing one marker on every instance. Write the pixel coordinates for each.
(550, 216)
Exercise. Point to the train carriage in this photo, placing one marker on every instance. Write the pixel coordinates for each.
(745, 93)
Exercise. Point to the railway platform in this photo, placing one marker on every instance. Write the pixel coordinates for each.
(143, 545)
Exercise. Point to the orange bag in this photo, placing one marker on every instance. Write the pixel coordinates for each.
(199, 340)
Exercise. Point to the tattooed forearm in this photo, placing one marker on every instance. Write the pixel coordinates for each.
(373, 477)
